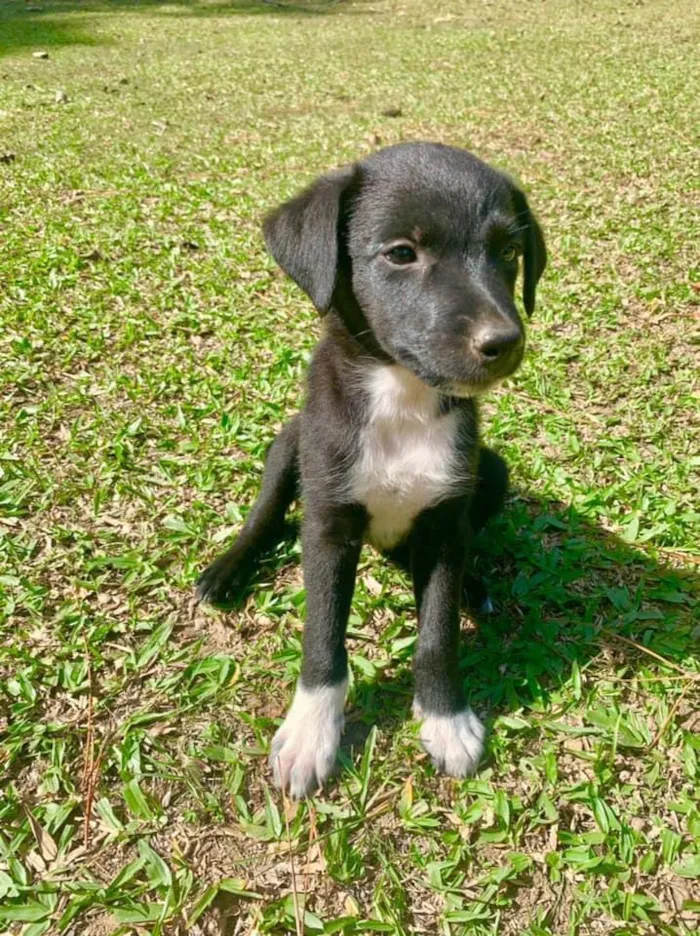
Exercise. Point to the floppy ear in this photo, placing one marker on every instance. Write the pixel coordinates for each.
(304, 234)
(535, 259)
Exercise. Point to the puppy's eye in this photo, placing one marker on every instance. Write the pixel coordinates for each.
(509, 253)
(401, 255)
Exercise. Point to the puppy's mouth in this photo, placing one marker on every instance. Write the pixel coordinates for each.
(448, 386)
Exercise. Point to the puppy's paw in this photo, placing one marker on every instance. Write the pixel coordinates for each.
(475, 596)
(455, 742)
(222, 582)
(304, 749)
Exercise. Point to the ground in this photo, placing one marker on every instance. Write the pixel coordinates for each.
(149, 351)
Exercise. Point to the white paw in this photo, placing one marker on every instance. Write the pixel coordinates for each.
(455, 742)
(304, 749)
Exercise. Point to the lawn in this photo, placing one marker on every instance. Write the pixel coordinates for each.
(150, 350)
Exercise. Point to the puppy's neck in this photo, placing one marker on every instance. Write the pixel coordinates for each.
(352, 334)
(398, 396)
(359, 360)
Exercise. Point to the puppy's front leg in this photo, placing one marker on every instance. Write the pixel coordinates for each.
(450, 732)
(304, 750)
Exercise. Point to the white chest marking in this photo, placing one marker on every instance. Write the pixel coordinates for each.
(407, 453)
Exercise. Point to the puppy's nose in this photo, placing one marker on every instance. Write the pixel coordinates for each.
(493, 345)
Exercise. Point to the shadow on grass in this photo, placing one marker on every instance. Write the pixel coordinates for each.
(565, 591)
(21, 29)
(49, 24)
(565, 587)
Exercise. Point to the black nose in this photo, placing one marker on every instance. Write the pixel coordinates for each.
(494, 345)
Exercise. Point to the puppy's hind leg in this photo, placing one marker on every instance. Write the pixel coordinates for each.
(225, 577)
(490, 491)
(487, 501)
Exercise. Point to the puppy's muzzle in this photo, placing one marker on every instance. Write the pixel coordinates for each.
(497, 347)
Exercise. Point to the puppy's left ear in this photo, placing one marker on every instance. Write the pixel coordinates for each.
(535, 259)
(304, 235)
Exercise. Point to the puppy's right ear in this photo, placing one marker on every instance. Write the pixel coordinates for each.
(304, 234)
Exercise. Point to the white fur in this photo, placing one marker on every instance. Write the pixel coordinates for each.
(305, 747)
(407, 453)
(455, 742)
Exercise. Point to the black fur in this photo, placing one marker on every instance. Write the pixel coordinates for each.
(450, 318)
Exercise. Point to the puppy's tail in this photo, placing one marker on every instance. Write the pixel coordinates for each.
(226, 576)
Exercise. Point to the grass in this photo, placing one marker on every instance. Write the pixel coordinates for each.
(150, 350)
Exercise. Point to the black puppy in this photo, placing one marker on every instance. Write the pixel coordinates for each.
(413, 256)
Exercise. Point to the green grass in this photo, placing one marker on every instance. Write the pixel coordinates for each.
(149, 351)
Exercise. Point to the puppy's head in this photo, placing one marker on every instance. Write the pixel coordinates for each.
(419, 244)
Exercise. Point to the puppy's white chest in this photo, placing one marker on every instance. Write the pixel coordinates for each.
(407, 454)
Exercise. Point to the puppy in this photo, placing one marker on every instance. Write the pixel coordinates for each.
(412, 255)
